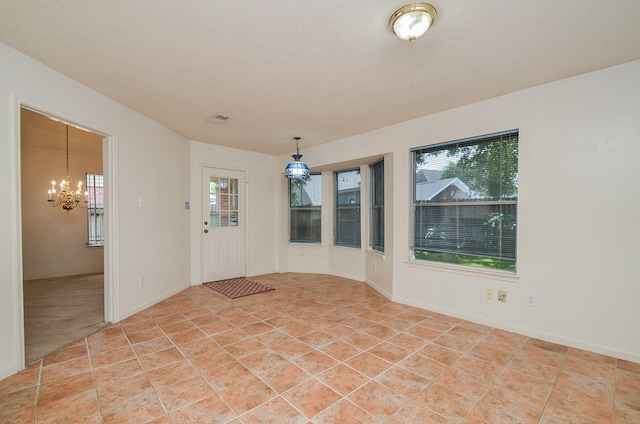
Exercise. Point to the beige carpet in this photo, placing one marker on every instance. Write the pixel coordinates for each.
(61, 311)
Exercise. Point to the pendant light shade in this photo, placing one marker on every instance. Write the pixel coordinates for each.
(296, 170)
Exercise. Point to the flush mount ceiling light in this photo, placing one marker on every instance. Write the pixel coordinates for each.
(296, 170)
(412, 21)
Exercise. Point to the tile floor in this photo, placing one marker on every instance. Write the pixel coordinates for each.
(318, 349)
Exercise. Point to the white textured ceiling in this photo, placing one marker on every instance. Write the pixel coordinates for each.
(321, 70)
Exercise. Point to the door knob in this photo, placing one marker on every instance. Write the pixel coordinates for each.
(206, 231)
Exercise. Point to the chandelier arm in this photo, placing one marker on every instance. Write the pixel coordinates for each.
(67, 151)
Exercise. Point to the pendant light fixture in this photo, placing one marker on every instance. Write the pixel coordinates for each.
(67, 198)
(412, 21)
(296, 170)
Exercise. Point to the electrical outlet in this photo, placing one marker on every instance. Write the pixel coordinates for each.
(141, 280)
(502, 296)
(530, 299)
(488, 294)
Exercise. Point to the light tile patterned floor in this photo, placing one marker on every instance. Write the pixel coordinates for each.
(318, 349)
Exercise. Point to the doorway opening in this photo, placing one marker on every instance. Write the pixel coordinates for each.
(63, 271)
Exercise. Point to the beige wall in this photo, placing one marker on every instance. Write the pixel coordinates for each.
(577, 245)
(54, 243)
(143, 159)
(578, 225)
(261, 188)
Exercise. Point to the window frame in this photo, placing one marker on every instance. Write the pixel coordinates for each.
(312, 210)
(376, 207)
(95, 212)
(473, 202)
(355, 207)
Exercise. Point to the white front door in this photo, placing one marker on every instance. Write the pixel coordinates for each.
(223, 226)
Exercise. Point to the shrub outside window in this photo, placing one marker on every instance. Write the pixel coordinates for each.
(465, 201)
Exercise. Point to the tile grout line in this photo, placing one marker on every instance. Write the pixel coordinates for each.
(93, 379)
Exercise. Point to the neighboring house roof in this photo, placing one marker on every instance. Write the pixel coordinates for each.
(426, 191)
(428, 175)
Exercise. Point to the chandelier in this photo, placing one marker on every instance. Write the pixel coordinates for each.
(296, 170)
(66, 197)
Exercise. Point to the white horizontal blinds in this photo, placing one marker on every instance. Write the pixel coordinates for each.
(376, 236)
(95, 209)
(347, 216)
(305, 209)
(466, 195)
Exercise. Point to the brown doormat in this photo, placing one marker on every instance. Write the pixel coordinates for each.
(237, 287)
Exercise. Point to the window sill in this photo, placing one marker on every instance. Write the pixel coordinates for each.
(346, 248)
(376, 254)
(312, 244)
(465, 270)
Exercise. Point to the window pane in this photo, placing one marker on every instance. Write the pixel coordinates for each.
(465, 201)
(347, 216)
(348, 227)
(306, 192)
(305, 225)
(95, 209)
(376, 236)
(213, 201)
(223, 202)
(305, 209)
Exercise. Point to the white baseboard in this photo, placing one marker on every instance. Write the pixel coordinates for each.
(350, 277)
(379, 289)
(263, 272)
(8, 371)
(153, 301)
(529, 332)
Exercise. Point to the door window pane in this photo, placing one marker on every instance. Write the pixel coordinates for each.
(223, 202)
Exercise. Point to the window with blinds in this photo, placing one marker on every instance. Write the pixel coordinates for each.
(95, 209)
(305, 209)
(465, 201)
(347, 213)
(376, 222)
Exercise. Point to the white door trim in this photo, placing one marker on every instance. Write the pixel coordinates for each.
(111, 257)
(244, 201)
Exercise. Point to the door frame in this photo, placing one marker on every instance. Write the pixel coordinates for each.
(111, 262)
(244, 201)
